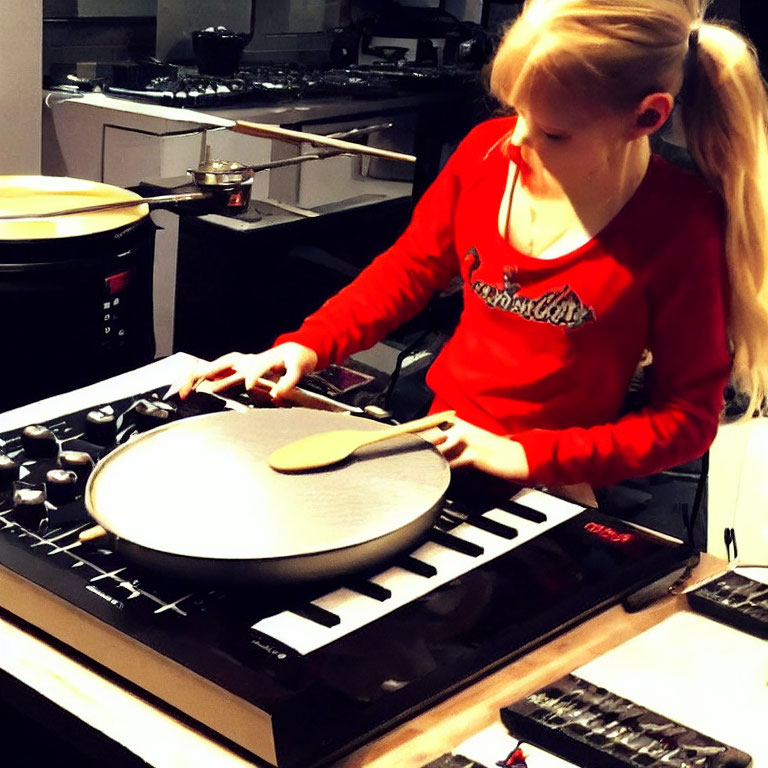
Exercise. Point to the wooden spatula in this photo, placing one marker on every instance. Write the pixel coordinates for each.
(326, 448)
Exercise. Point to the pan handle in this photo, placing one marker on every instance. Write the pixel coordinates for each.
(363, 131)
(92, 533)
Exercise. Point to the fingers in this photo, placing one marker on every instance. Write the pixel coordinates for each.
(260, 385)
(434, 435)
(224, 382)
(286, 383)
(274, 372)
(454, 447)
(292, 361)
(456, 443)
(262, 373)
(464, 445)
(222, 366)
(451, 442)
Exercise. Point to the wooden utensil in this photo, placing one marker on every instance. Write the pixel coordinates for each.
(296, 397)
(91, 534)
(326, 448)
(269, 131)
(264, 130)
(110, 206)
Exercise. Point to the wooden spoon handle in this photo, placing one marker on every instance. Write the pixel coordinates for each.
(277, 132)
(94, 532)
(417, 425)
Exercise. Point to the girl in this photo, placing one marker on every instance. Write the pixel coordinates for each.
(579, 250)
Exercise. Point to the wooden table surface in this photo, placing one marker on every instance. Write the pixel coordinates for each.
(164, 742)
(451, 722)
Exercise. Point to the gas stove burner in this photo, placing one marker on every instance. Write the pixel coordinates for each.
(411, 76)
(176, 86)
(207, 90)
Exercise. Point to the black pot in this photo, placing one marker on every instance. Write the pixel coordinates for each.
(218, 51)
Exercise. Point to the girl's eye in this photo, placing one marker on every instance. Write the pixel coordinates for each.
(555, 136)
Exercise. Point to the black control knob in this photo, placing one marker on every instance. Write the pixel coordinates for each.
(153, 413)
(39, 442)
(61, 486)
(101, 428)
(80, 463)
(9, 471)
(29, 507)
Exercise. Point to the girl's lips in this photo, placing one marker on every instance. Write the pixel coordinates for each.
(515, 154)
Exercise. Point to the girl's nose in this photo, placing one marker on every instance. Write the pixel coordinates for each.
(516, 141)
(520, 134)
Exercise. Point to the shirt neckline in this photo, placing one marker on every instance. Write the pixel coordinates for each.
(593, 241)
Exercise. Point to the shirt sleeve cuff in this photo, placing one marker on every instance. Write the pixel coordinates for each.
(324, 355)
(539, 448)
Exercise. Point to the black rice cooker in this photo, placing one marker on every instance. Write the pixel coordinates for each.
(75, 291)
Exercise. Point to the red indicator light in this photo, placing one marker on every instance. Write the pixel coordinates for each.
(117, 283)
(608, 533)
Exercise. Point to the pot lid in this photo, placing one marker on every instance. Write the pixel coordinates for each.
(221, 173)
(219, 33)
(43, 194)
(202, 487)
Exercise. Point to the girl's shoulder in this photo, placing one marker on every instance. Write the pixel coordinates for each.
(675, 216)
(676, 188)
(675, 204)
(680, 219)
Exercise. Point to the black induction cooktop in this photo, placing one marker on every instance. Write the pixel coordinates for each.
(300, 675)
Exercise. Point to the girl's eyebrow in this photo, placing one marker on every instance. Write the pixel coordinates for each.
(547, 128)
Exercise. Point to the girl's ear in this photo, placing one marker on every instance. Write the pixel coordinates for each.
(651, 113)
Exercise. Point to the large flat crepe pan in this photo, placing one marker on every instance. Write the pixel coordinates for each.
(42, 194)
(196, 498)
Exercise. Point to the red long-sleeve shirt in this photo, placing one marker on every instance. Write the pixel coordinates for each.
(545, 348)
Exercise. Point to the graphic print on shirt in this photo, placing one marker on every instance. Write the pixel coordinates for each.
(561, 307)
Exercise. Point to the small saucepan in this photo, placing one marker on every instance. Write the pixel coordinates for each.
(227, 181)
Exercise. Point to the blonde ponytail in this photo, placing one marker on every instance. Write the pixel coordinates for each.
(618, 51)
(725, 118)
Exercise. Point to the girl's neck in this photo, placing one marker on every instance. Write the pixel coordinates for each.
(544, 218)
(610, 184)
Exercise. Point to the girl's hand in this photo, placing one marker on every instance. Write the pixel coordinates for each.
(281, 367)
(465, 445)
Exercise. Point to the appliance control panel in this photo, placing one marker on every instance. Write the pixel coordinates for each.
(115, 306)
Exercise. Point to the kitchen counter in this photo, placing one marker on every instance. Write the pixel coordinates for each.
(286, 113)
(664, 656)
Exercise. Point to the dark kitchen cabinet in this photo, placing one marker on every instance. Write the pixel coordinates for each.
(239, 289)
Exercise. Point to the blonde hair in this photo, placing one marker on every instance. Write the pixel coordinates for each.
(619, 51)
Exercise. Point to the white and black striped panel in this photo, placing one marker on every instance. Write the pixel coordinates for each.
(444, 556)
